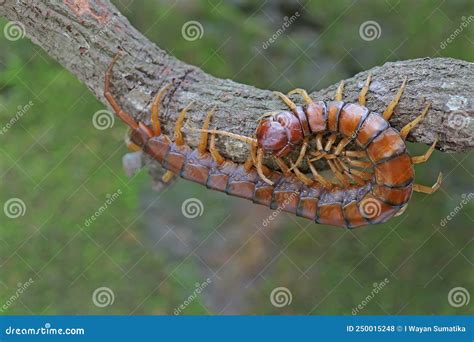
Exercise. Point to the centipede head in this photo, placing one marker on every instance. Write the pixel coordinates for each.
(279, 133)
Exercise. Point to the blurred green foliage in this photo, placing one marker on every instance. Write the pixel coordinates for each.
(62, 168)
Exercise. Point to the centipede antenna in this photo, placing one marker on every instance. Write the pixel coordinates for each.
(248, 140)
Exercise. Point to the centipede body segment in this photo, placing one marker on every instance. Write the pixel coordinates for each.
(371, 184)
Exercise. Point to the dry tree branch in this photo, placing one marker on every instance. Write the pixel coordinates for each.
(83, 36)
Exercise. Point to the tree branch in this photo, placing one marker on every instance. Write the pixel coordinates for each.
(83, 35)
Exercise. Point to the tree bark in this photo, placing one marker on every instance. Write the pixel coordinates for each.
(84, 35)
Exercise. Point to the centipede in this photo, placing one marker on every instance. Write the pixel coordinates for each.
(371, 182)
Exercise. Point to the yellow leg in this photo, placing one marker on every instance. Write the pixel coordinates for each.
(332, 138)
(340, 177)
(303, 93)
(178, 135)
(167, 177)
(405, 130)
(155, 109)
(355, 154)
(248, 140)
(343, 143)
(318, 177)
(202, 146)
(360, 163)
(319, 141)
(402, 210)
(426, 189)
(339, 91)
(285, 99)
(425, 157)
(283, 167)
(260, 172)
(387, 114)
(214, 152)
(301, 176)
(302, 153)
(364, 90)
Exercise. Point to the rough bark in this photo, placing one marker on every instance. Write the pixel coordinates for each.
(83, 36)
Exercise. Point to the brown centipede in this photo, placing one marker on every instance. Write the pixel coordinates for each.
(372, 184)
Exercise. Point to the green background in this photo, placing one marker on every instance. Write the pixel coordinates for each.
(142, 247)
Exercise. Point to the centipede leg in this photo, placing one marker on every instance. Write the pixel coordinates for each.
(214, 151)
(167, 177)
(339, 91)
(302, 154)
(303, 93)
(332, 138)
(364, 90)
(285, 99)
(387, 114)
(426, 156)
(178, 135)
(155, 109)
(202, 146)
(318, 177)
(340, 177)
(259, 166)
(301, 176)
(427, 189)
(127, 118)
(405, 130)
